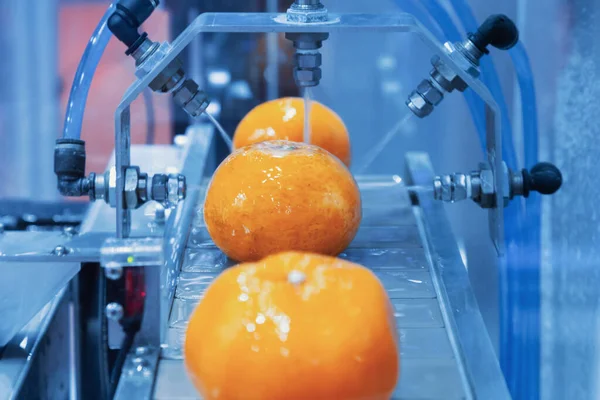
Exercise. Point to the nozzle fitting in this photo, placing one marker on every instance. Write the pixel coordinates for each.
(308, 59)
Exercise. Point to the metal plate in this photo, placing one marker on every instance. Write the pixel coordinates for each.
(397, 259)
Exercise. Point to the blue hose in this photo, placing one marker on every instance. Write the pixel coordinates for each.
(520, 274)
(529, 270)
(83, 77)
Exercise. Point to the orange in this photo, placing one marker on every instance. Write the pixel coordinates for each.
(284, 119)
(294, 326)
(278, 196)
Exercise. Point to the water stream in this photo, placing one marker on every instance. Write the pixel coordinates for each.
(307, 104)
(376, 150)
(222, 132)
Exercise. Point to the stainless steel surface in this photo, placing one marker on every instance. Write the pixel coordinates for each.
(266, 22)
(137, 377)
(146, 246)
(468, 330)
(122, 161)
(17, 356)
(161, 279)
(50, 246)
(431, 330)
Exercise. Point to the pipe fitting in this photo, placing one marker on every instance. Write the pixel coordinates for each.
(308, 59)
(498, 31)
(307, 12)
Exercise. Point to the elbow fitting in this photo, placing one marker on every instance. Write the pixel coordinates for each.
(498, 31)
(69, 167)
(126, 20)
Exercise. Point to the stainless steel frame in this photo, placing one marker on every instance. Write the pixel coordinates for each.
(267, 23)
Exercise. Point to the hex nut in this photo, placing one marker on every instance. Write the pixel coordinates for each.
(159, 188)
(295, 14)
(307, 77)
(457, 53)
(418, 105)
(176, 188)
(460, 187)
(185, 92)
(152, 60)
(130, 189)
(168, 78)
(446, 77)
(488, 193)
(308, 60)
(197, 105)
(430, 93)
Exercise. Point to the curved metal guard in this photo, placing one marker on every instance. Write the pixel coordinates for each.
(267, 22)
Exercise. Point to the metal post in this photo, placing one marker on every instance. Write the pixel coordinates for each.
(122, 161)
(272, 72)
(29, 98)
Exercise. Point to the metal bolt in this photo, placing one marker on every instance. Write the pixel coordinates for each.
(140, 362)
(176, 189)
(417, 104)
(141, 350)
(114, 311)
(429, 92)
(113, 273)
(70, 231)
(60, 251)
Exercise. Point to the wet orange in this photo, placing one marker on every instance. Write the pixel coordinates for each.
(284, 119)
(278, 196)
(294, 326)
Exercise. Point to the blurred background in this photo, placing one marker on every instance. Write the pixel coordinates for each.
(366, 78)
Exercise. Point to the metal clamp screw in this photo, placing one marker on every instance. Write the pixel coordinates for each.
(113, 273)
(114, 311)
(61, 251)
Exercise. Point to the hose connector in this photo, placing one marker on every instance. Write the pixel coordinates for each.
(544, 178)
(172, 79)
(498, 31)
(69, 167)
(166, 189)
(307, 60)
(129, 15)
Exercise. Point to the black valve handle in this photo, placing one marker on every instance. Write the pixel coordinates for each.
(498, 30)
(544, 178)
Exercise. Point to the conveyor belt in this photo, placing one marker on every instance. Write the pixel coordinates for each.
(390, 243)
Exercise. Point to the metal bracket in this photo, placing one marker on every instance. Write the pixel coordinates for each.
(269, 22)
